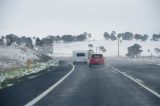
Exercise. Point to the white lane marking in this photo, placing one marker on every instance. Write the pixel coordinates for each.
(39, 97)
(142, 85)
(139, 80)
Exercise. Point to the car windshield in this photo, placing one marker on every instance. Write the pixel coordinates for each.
(79, 52)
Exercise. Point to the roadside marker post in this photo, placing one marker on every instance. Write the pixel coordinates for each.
(29, 65)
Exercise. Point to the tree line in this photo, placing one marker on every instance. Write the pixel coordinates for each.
(50, 39)
(129, 36)
(68, 38)
(11, 38)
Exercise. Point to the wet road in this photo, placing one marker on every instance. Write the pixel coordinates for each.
(119, 83)
(104, 86)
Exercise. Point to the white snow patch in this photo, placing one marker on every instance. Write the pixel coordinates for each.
(12, 57)
(13, 62)
(65, 49)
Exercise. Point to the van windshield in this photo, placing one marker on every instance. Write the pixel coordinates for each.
(80, 54)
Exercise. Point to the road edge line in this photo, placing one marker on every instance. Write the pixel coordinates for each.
(142, 85)
(43, 94)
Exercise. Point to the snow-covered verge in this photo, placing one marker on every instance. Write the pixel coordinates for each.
(65, 49)
(15, 56)
(14, 62)
(6, 76)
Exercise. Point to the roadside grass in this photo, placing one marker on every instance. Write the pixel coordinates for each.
(10, 77)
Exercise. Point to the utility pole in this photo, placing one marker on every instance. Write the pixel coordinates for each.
(96, 49)
(118, 47)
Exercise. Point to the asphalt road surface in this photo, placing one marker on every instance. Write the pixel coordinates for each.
(32, 85)
(104, 86)
(119, 83)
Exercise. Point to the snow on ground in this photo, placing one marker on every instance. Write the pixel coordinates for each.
(25, 71)
(13, 62)
(65, 49)
(11, 56)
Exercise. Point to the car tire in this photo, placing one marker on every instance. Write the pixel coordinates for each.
(90, 66)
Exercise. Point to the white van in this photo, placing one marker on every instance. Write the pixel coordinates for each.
(80, 56)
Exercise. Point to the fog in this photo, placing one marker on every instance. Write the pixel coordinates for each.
(58, 17)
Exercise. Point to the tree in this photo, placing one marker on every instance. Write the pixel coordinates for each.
(134, 51)
(127, 36)
(81, 37)
(58, 38)
(28, 42)
(9, 40)
(141, 37)
(47, 41)
(102, 49)
(106, 35)
(1, 42)
(137, 36)
(155, 37)
(67, 38)
(145, 37)
(119, 35)
(2, 37)
(38, 42)
(113, 36)
(90, 46)
(13, 38)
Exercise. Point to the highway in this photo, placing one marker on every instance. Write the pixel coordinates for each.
(119, 83)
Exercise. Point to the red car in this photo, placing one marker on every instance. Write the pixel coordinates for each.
(96, 59)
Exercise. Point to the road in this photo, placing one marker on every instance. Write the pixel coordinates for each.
(103, 86)
(107, 86)
(31, 86)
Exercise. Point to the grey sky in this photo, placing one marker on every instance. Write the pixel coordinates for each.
(57, 17)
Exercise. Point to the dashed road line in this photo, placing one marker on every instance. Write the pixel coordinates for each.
(39, 97)
(138, 82)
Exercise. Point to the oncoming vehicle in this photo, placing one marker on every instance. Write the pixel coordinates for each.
(80, 57)
(96, 59)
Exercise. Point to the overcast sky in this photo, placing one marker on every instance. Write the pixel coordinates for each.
(57, 17)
